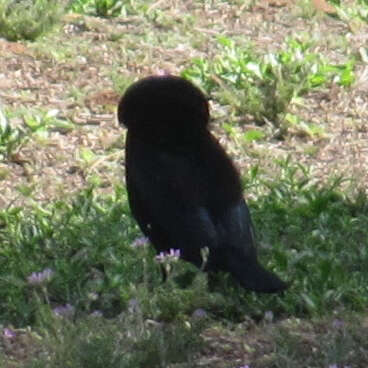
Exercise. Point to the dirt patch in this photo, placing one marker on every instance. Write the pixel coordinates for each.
(81, 70)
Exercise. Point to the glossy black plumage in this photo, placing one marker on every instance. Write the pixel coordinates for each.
(183, 189)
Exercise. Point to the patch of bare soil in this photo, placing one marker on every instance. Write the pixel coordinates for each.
(82, 69)
(78, 70)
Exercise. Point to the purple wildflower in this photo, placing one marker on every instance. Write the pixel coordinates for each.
(171, 256)
(174, 253)
(199, 313)
(160, 258)
(133, 305)
(66, 310)
(9, 333)
(337, 323)
(38, 278)
(96, 313)
(140, 242)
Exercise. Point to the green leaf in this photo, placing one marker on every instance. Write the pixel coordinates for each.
(347, 78)
(87, 155)
(255, 68)
(292, 119)
(254, 135)
(317, 80)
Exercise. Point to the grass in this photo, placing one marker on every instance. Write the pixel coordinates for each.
(27, 20)
(126, 341)
(296, 343)
(287, 89)
(87, 243)
(261, 88)
(37, 126)
(10, 138)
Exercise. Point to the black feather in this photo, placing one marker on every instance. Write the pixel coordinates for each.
(183, 189)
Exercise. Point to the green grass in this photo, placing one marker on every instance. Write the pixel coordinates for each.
(27, 20)
(310, 233)
(318, 234)
(38, 125)
(102, 301)
(265, 86)
(11, 138)
(124, 342)
(108, 8)
(328, 342)
(95, 271)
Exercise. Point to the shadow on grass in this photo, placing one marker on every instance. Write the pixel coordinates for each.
(312, 234)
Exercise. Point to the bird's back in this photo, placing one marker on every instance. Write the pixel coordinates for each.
(183, 189)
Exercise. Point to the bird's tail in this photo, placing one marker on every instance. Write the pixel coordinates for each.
(253, 276)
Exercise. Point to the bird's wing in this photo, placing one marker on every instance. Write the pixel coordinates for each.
(240, 258)
(166, 199)
(236, 228)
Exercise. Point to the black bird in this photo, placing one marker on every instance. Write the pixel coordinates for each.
(183, 189)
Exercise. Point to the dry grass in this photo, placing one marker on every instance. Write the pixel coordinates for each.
(74, 71)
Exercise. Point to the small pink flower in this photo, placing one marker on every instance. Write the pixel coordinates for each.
(199, 313)
(96, 313)
(140, 242)
(66, 310)
(38, 278)
(175, 253)
(171, 256)
(9, 333)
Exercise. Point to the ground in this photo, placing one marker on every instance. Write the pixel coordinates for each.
(77, 73)
(81, 70)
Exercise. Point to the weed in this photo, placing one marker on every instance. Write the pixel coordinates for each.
(321, 236)
(108, 8)
(264, 87)
(87, 245)
(71, 269)
(10, 138)
(27, 19)
(126, 341)
(41, 122)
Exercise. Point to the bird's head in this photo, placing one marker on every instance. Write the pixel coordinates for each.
(167, 105)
